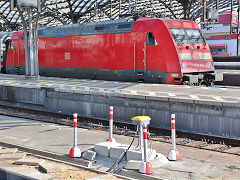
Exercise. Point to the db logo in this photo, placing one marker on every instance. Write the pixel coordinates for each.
(67, 56)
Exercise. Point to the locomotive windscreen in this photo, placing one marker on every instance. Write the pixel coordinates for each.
(187, 36)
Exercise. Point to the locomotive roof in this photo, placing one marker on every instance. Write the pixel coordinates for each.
(105, 27)
(56, 12)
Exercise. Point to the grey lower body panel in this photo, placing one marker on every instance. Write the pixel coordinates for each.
(98, 74)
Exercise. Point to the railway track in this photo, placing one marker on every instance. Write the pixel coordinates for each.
(207, 142)
(71, 167)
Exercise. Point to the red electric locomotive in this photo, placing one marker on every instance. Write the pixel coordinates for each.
(146, 50)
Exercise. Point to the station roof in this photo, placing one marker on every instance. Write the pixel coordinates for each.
(59, 12)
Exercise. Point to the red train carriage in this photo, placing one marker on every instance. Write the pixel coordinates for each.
(146, 50)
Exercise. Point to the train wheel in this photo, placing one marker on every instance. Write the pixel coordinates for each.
(211, 83)
(203, 84)
(185, 83)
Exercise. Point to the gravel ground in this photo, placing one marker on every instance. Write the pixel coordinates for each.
(69, 172)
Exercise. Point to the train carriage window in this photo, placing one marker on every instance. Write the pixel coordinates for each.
(151, 39)
(11, 45)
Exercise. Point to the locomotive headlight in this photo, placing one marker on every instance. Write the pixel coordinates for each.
(205, 55)
(209, 64)
(185, 56)
(185, 65)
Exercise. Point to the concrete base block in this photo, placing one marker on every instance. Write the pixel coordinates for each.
(8, 150)
(159, 161)
(133, 165)
(29, 162)
(14, 156)
(89, 155)
(116, 151)
(23, 173)
(50, 168)
(103, 149)
(136, 154)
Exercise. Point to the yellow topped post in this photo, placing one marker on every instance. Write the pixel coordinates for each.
(140, 120)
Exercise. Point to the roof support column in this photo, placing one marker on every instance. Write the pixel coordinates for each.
(31, 51)
(26, 42)
(30, 37)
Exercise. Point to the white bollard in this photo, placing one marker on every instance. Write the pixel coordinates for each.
(140, 137)
(146, 166)
(173, 154)
(75, 151)
(111, 139)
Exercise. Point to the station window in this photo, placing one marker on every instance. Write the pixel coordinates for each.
(11, 45)
(151, 39)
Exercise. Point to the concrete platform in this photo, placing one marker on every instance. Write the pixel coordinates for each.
(206, 110)
(195, 163)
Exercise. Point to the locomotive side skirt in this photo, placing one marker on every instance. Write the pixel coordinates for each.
(98, 74)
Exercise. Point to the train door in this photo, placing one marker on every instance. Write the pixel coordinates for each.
(12, 58)
(140, 56)
(16, 58)
(152, 55)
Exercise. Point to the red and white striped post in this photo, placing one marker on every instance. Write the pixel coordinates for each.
(111, 139)
(75, 151)
(173, 154)
(146, 166)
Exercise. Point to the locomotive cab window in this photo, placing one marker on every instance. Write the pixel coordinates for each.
(151, 39)
(187, 36)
